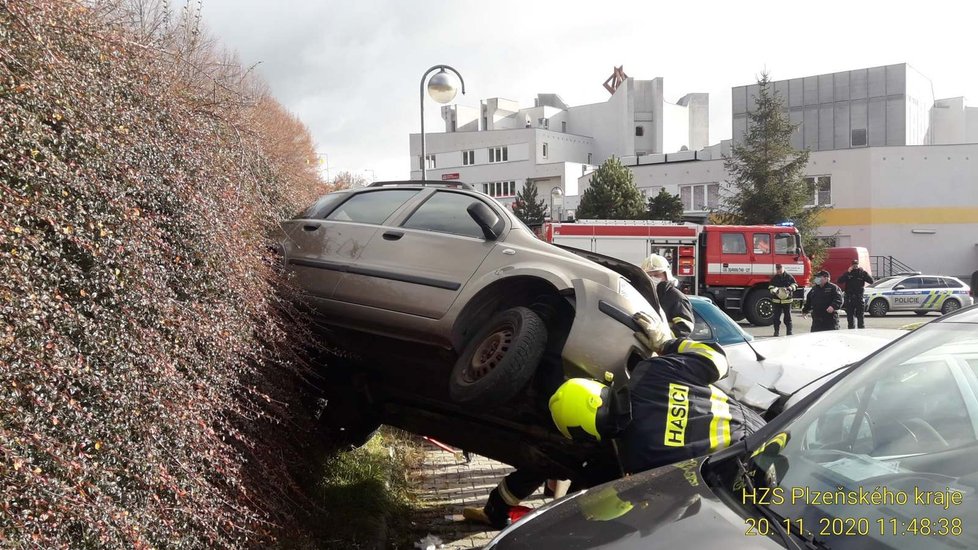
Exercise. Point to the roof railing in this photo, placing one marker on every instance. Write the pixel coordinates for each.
(423, 183)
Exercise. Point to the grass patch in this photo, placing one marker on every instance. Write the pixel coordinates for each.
(366, 492)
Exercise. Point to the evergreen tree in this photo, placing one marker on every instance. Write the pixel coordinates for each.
(665, 206)
(768, 174)
(612, 194)
(528, 206)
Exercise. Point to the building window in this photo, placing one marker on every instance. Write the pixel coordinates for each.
(589, 158)
(639, 131)
(700, 197)
(859, 137)
(563, 126)
(468, 158)
(430, 161)
(500, 189)
(820, 190)
(546, 150)
(498, 154)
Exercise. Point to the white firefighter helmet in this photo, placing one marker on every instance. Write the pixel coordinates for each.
(655, 263)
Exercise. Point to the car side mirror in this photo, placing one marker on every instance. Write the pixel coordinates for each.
(899, 287)
(491, 224)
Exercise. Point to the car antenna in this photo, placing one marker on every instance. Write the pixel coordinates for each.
(756, 354)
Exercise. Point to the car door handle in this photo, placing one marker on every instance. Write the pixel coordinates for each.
(393, 235)
(310, 227)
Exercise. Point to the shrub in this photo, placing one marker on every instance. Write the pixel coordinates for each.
(146, 373)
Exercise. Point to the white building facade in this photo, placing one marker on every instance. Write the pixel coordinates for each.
(499, 146)
(918, 204)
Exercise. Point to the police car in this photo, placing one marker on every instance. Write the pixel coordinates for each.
(917, 293)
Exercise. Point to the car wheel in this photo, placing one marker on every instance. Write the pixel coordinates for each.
(949, 306)
(878, 307)
(920, 312)
(759, 309)
(500, 359)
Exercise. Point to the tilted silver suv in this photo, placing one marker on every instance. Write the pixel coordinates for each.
(451, 269)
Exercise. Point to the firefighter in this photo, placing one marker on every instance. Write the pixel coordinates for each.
(855, 279)
(673, 301)
(666, 411)
(823, 301)
(782, 289)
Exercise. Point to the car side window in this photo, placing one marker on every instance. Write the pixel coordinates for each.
(445, 212)
(931, 282)
(911, 283)
(784, 243)
(762, 243)
(323, 205)
(733, 243)
(952, 283)
(372, 206)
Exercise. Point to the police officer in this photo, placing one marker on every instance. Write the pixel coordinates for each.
(823, 301)
(676, 304)
(854, 280)
(782, 289)
(666, 411)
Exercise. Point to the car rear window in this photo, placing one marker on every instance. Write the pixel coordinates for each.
(372, 206)
(931, 282)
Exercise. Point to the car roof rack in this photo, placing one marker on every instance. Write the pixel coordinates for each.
(423, 183)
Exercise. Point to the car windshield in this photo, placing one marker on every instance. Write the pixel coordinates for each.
(885, 282)
(886, 457)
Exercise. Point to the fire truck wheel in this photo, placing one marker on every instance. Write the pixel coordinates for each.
(500, 359)
(759, 308)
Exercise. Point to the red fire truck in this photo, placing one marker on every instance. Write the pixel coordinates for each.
(730, 264)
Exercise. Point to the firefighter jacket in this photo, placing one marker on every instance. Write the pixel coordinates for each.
(668, 410)
(854, 281)
(820, 298)
(782, 280)
(677, 308)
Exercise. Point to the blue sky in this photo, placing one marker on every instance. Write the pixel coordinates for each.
(351, 70)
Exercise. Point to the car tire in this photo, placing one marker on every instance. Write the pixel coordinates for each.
(878, 307)
(920, 312)
(759, 308)
(500, 359)
(950, 305)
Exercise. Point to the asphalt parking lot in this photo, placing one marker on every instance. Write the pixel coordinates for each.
(892, 320)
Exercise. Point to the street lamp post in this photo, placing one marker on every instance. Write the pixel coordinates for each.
(440, 89)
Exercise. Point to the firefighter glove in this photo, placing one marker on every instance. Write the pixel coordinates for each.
(654, 334)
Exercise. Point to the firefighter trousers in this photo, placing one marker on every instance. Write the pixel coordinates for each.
(779, 310)
(513, 489)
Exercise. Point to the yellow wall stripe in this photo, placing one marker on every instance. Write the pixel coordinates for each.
(899, 216)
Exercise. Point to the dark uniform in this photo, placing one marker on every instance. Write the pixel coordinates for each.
(819, 298)
(782, 306)
(667, 411)
(677, 308)
(854, 282)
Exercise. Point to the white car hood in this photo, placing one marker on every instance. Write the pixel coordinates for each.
(794, 361)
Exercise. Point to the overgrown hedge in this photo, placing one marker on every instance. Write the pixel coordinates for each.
(145, 381)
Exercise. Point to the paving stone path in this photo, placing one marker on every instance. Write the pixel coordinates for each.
(445, 484)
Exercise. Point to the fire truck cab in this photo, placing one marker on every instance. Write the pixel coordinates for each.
(730, 264)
